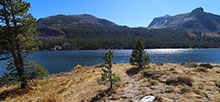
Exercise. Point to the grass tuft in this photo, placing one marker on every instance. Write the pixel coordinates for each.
(191, 64)
(153, 74)
(179, 80)
(201, 69)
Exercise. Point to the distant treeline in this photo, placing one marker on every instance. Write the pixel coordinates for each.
(99, 37)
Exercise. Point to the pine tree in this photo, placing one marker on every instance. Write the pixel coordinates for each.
(139, 57)
(18, 39)
(107, 75)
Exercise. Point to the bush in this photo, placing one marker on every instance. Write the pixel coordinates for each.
(206, 95)
(153, 74)
(133, 71)
(208, 65)
(201, 69)
(217, 84)
(180, 80)
(78, 66)
(191, 64)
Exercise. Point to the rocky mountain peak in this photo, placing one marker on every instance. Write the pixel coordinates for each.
(196, 20)
(198, 10)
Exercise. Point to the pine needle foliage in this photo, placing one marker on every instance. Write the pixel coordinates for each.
(139, 57)
(18, 38)
(107, 75)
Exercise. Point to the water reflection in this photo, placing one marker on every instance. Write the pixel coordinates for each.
(62, 61)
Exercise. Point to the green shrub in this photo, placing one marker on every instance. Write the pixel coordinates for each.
(206, 95)
(217, 84)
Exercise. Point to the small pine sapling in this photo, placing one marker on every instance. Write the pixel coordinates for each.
(107, 75)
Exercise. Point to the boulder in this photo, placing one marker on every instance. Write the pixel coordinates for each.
(217, 66)
(182, 63)
(206, 65)
(160, 64)
(148, 98)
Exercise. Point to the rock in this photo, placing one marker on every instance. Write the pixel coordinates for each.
(172, 69)
(182, 63)
(148, 98)
(99, 66)
(217, 71)
(206, 65)
(161, 64)
(217, 66)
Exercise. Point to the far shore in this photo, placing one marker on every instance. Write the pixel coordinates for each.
(131, 49)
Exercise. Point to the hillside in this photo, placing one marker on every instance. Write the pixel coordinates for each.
(77, 32)
(167, 82)
(196, 20)
(52, 26)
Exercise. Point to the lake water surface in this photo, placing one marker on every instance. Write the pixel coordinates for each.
(64, 61)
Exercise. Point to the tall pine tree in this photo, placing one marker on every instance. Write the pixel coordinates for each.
(139, 57)
(17, 39)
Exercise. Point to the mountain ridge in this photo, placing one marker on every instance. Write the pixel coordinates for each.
(74, 19)
(53, 25)
(80, 32)
(196, 20)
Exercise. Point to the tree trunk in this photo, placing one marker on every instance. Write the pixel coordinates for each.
(111, 83)
(24, 84)
(110, 77)
(18, 62)
(21, 63)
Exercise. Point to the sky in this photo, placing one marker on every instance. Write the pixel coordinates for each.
(132, 13)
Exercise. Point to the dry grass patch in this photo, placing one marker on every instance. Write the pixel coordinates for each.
(191, 64)
(201, 69)
(153, 74)
(180, 80)
(133, 71)
(80, 85)
(185, 89)
(51, 97)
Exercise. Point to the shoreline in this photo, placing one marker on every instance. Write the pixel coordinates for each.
(97, 65)
(131, 49)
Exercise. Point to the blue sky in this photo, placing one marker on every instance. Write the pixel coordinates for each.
(133, 13)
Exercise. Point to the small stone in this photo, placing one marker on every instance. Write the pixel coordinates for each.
(217, 66)
(172, 69)
(148, 98)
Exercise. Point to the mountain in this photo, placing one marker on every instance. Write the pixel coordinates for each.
(51, 26)
(77, 32)
(196, 20)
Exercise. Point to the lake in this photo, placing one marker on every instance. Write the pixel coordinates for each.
(64, 61)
